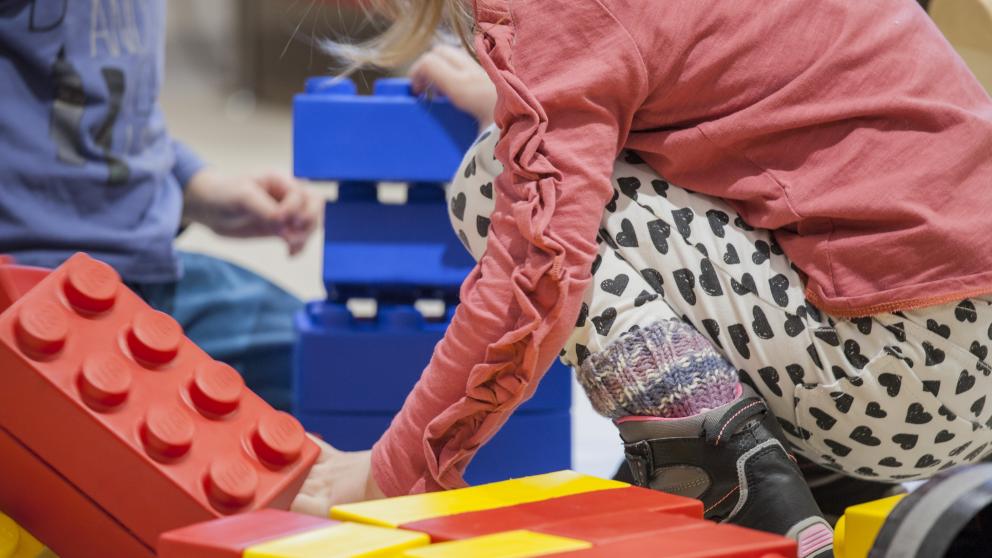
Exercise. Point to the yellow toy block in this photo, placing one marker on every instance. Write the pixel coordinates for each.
(855, 532)
(511, 544)
(347, 540)
(407, 509)
(15, 542)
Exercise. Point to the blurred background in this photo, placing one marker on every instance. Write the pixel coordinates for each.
(234, 65)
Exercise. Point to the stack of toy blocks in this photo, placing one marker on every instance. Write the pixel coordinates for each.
(114, 427)
(558, 514)
(353, 374)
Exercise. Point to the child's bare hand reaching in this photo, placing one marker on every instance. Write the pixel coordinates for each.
(452, 72)
(338, 477)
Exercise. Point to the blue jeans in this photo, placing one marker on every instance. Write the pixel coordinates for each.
(235, 316)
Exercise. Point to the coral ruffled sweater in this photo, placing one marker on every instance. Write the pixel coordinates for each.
(849, 128)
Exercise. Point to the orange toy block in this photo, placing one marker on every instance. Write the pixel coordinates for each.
(574, 507)
(111, 396)
(229, 537)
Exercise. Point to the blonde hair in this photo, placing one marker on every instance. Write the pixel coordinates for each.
(414, 25)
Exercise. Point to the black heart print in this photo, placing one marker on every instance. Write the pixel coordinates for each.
(487, 190)
(852, 350)
(458, 206)
(708, 280)
(891, 382)
(875, 410)
(629, 186)
(643, 298)
(864, 435)
(686, 283)
(915, 414)
(943, 436)
(611, 206)
(779, 285)
(838, 449)
(627, 237)
(934, 355)
(942, 330)
(842, 401)
(660, 187)
(482, 226)
(740, 339)
(770, 376)
(617, 285)
(796, 373)
(654, 280)
(718, 220)
(762, 251)
(760, 325)
(965, 312)
(746, 285)
(583, 315)
(683, 217)
(823, 420)
(731, 257)
(470, 168)
(713, 329)
(965, 382)
(604, 321)
(906, 441)
(659, 231)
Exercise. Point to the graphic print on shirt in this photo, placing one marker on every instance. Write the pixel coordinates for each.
(47, 15)
(114, 31)
(67, 111)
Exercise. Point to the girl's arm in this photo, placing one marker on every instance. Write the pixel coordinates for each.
(569, 79)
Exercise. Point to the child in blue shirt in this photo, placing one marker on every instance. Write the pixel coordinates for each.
(86, 164)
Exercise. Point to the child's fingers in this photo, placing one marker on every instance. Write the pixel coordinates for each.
(455, 56)
(433, 70)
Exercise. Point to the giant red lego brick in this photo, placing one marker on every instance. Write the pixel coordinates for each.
(113, 396)
(707, 540)
(230, 536)
(51, 508)
(526, 516)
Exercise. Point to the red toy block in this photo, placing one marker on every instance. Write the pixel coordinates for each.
(609, 528)
(230, 536)
(15, 280)
(707, 540)
(112, 396)
(526, 516)
(51, 509)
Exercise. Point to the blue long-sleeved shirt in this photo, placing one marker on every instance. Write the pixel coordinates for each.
(86, 162)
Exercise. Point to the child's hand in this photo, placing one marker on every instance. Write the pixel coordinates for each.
(455, 74)
(338, 477)
(267, 205)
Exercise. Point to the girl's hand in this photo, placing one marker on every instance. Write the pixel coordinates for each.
(452, 72)
(266, 205)
(338, 477)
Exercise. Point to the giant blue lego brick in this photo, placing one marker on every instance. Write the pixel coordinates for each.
(390, 135)
(348, 365)
(392, 252)
(529, 443)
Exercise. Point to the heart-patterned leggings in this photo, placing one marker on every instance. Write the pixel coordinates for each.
(891, 397)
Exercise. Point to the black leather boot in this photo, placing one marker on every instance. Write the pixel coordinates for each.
(733, 459)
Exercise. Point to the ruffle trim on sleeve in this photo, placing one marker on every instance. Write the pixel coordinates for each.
(528, 197)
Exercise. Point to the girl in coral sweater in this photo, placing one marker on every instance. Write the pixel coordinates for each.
(752, 228)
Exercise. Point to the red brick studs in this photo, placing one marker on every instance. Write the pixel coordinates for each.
(41, 328)
(154, 337)
(105, 380)
(216, 388)
(167, 432)
(278, 439)
(90, 286)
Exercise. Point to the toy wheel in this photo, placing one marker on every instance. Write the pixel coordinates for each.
(949, 516)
